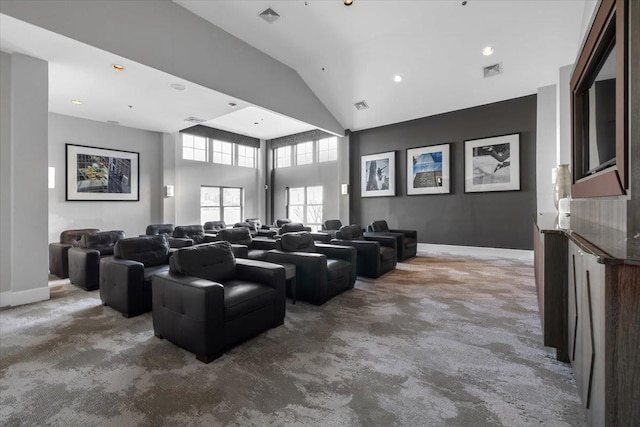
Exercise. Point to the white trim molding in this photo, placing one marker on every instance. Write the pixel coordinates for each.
(427, 248)
(24, 297)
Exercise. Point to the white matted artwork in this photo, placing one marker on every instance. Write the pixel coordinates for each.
(492, 164)
(378, 172)
(428, 170)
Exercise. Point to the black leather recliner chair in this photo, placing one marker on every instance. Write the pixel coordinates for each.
(125, 278)
(376, 254)
(331, 227)
(159, 229)
(249, 226)
(189, 235)
(210, 301)
(295, 227)
(212, 227)
(84, 260)
(407, 240)
(322, 271)
(59, 252)
(244, 246)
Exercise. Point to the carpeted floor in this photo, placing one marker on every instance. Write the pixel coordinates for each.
(442, 340)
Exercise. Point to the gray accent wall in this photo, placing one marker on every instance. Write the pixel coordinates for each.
(496, 219)
(132, 217)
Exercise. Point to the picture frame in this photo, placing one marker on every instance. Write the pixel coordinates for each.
(378, 174)
(429, 170)
(101, 174)
(492, 164)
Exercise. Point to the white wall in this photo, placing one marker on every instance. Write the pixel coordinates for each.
(132, 217)
(546, 142)
(24, 179)
(564, 115)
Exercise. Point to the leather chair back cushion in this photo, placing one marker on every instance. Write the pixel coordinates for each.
(292, 227)
(156, 229)
(332, 224)
(350, 232)
(193, 232)
(215, 225)
(282, 221)
(103, 241)
(211, 261)
(239, 236)
(247, 225)
(379, 226)
(151, 251)
(72, 237)
(296, 242)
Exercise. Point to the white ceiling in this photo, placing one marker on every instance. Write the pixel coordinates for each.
(80, 71)
(349, 54)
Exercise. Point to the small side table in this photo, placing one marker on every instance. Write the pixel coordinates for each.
(290, 275)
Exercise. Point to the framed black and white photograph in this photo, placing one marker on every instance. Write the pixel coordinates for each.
(428, 170)
(101, 174)
(492, 164)
(378, 174)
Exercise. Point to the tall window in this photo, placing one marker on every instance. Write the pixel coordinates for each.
(220, 203)
(304, 153)
(222, 152)
(194, 148)
(305, 206)
(283, 156)
(246, 156)
(328, 149)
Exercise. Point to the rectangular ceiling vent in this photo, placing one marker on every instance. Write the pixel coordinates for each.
(269, 15)
(194, 120)
(361, 105)
(492, 70)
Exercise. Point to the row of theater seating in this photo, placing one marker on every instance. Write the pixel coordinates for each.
(221, 283)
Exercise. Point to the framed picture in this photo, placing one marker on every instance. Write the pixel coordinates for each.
(378, 172)
(492, 164)
(428, 170)
(102, 174)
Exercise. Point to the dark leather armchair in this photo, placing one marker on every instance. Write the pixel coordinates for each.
(295, 227)
(280, 222)
(257, 224)
(159, 229)
(249, 226)
(84, 260)
(189, 235)
(407, 240)
(212, 227)
(210, 301)
(331, 227)
(244, 245)
(59, 252)
(125, 278)
(322, 271)
(376, 254)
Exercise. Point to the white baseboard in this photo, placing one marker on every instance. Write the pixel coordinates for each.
(24, 297)
(477, 251)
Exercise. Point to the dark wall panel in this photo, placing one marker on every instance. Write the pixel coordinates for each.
(496, 219)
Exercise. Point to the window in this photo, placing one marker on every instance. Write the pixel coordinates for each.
(220, 203)
(194, 147)
(328, 149)
(222, 152)
(246, 156)
(305, 206)
(304, 153)
(283, 156)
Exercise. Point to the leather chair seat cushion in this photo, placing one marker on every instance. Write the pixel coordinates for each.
(410, 241)
(296, 242)
(103, 241)
(337, 268)
(211, 261)
(73, 237)
(150, 251)
(387, 252)
(241, 298)
(150, 271)
(351, 232)
(257, 254)
(238, 236)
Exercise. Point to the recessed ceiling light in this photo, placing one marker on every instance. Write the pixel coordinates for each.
(397, 78)
(113, 122)
(256, 123)
(232, 104)
(269, 15)
(76, 101)
(487, 51)
(117, 67)
(178, 86)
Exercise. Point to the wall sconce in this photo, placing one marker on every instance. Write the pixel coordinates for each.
(52, 177)
(168, 191)
(348, 2)
(344, 189)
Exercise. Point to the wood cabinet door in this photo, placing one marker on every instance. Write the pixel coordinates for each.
(575, 314)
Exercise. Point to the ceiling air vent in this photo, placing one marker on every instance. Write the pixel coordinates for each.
(269, 15)
(194, 120)
(492, 70)
(361, 105)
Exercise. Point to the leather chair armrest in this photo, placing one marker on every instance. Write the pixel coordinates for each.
(84, 267)
(210, 238)
(368, 256)
(240, 251)
(346, 253)
(263, 244)
(311, 273)
(407, 233)
(388, 241)
(59, 259)
(179, 242)
(121, 284)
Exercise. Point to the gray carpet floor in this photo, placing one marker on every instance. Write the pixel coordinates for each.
(441, 341)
